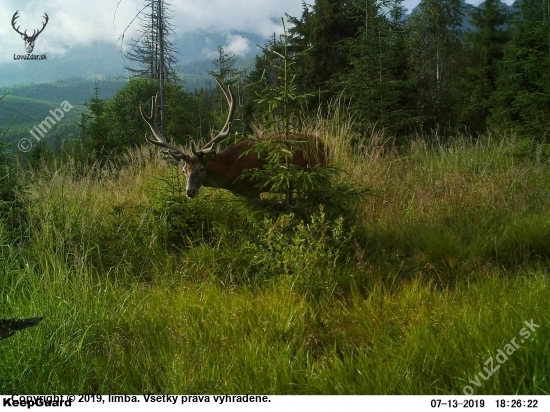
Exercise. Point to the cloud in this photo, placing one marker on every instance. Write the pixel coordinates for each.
(238, 44)
(260, 17)
(234, 43)
(73, 24)
(70, 25)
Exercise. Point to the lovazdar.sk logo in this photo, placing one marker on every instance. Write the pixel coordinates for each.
(29, 39)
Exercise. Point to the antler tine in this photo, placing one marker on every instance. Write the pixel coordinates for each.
(224, 132)
(168, 149)
(13, 19)
(43, 25)
(160, 141)
(150, 120)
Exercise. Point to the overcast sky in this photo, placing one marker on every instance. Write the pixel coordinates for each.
(73, 23)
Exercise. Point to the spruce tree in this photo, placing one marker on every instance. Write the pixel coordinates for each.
(145, 51)
(376, 84)
(522, 98)
(321, 29)
(484, 50)
(433, 34)
(228, 74)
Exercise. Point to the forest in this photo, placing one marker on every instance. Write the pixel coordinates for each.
(448, 69)
(415, 258)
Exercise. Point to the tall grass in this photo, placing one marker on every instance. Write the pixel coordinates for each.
(411, 292)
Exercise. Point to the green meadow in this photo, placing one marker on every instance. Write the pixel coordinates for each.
(408, 291)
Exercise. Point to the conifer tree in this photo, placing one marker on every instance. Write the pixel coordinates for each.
(145, 51)
(320, 30)
(433, 34)
(522, 98)
(376, 83)
(484, 50)
(227, 73)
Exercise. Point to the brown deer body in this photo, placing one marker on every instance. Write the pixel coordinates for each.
(223, 170)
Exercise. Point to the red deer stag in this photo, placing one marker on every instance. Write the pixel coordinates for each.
(223, 170)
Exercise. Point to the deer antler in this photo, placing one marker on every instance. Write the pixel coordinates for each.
(15, 17)
(34, 33)
(34, 36)
(224, 132)
(175, 153)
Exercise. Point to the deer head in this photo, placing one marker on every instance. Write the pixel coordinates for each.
(29, 40)
(193, 165)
